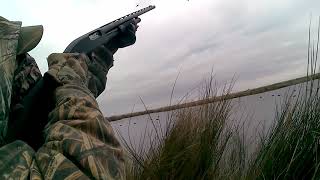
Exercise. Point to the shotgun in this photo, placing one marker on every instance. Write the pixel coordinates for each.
(101, 35)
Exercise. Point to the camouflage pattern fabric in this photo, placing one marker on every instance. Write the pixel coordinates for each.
(77, 129)
(26, 76)
(9, 34)
(79, 143)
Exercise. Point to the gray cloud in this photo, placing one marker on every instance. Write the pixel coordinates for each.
(258, 42)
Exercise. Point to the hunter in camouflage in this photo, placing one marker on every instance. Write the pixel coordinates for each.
(79, 142)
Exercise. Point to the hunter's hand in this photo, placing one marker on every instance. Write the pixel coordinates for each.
(127, 37)
(101, 58)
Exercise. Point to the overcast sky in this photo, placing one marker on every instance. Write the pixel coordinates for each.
(258, 41)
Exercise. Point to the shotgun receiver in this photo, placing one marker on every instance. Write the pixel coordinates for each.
(103, 34)
(36, 105)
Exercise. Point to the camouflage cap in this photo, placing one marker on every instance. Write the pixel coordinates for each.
(29, 38)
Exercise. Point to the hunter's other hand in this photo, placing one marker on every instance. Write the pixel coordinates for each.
(127, 36)
(101, 58)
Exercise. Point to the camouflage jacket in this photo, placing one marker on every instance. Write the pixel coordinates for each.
(79, 142)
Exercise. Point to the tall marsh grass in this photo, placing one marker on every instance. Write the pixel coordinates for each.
(202, 142)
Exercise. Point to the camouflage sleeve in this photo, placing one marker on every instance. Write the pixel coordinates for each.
(80, 144)
(26, 76)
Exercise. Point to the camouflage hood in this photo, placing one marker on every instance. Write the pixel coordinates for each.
(14, 40)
